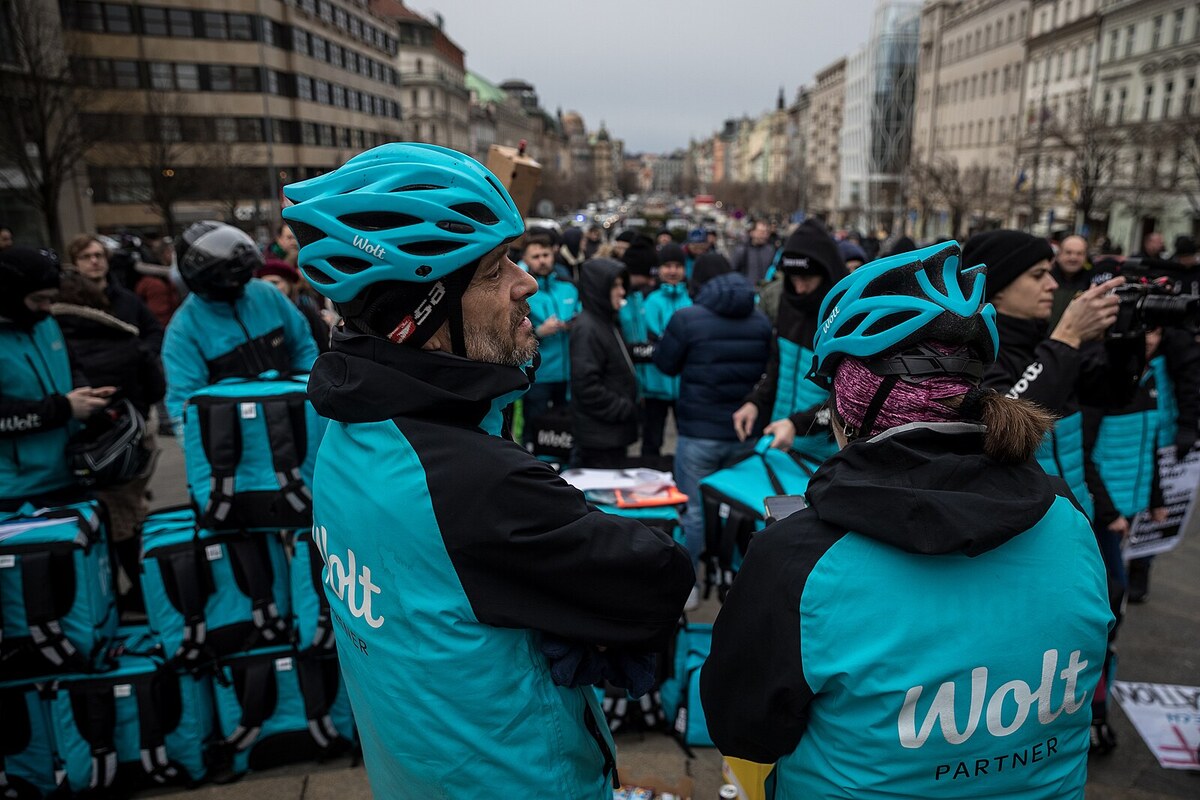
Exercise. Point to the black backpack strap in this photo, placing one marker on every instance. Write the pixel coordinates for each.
(288, 437)
(323, 635)
(153, 738)
(256, 695)
(46, 593)
(252, 569)
(95, 713)
(311, 673)
(221, 437)
(776, 485)
(189, 594)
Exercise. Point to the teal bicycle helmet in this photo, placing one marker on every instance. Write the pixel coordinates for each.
(885, 313)
(395, 234)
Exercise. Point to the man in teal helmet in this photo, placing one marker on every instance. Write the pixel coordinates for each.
(476, 595)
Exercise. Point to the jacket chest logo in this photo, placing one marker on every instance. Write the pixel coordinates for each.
(346, 580)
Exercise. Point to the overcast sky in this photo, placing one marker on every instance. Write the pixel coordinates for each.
(655, 71)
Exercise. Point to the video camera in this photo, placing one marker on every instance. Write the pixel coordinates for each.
(1153, 305)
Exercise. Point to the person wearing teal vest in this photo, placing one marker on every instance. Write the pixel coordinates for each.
(39, 404)
(659, 389)
(641, 262)
(794, 406)
(477, 597)
(933, 623)
(551, 311)
(1057, 369)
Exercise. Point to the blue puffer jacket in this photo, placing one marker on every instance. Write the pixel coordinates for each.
(450, 555)
(830, 656)
(555, 298)
(35, 416)
(719, 347)
(660, 306)
(1122, 444)
(1168, 406)
(1062, 454)
(207, 342)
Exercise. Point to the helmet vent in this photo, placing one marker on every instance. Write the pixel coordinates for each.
(378, 220)
(499, 191)
(476, 211)
(305, 234)
(418, 187)
(455, 227)
(890, 321)
(432, 248)
(317, 276)
(349, 266)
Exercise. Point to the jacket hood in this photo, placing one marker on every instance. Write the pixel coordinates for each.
(367, 379)
(729, 295)
(573, 240)
(81, 320)
(928, 488)
(596, 280)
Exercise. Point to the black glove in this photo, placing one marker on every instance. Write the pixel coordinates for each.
(573, 664)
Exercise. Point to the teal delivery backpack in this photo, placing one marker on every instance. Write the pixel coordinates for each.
(732, 504)
(140, 724)
(250, 447)
(212, 594)
(681, 692)
(29, 767)
(57, 611)
(310, 608)
(276, 706)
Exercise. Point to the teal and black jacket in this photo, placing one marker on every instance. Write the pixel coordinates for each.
(555, 297)
(450, 554)
(35, 415)
(208, 341)
(1122, 444)
(784, 391)
(1058, 377)
(932, 625)
(659, 307)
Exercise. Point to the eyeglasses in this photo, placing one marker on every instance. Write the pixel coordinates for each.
(91, 254)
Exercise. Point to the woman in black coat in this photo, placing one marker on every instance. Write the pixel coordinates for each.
(604, 399)
(112, 352)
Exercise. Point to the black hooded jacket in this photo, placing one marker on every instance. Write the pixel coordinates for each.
(907, 504)
(604, 398)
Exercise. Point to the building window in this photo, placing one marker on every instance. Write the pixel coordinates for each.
(241, 27)
(304, 87)
(1074, 69)
(220, 78)
(300, 41)
(1011, 23)
(246, 79)
(339, 96)
(335, 55)
(1106, 108)
(162, 76)
(225, 129)
(1189, 95)
(1177, 28)
(308, 133)
(169, 130)
(1156, 33)
(215, 25)
(126, 75)
(1087, 61)
(1121, 99)
(1168, 96)
(154, 22)
(268, 31)
(1058, 70)
(420, 66)
(118, 19)
(1130, 32)
(319, 50)
(249, 129)
(1147, 101)
(183, 25)
(187, 77)
(321, 92)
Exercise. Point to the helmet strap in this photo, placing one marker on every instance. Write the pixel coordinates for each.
(876, 405)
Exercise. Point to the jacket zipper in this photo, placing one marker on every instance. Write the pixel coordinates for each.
(259, 366)
(593, 728)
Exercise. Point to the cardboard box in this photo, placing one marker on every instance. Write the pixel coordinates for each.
(519, 173)
(682, 788)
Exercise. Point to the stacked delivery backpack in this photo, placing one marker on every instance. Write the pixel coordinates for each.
(733, 505)
(250, 447)
(57, 609)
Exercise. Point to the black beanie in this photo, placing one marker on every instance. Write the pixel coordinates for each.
(902, 245)
(23, 271)
(628, 235)
(640, 258)
(810, 243)
(1006, 254)
(708, 266)
(671, 252)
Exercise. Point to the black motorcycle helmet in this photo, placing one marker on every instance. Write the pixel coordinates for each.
(216, 260)
(108, 451)
(23, 271)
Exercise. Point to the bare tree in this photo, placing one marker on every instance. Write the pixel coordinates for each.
(1091, 150)
(42, 139)
(1183, 136)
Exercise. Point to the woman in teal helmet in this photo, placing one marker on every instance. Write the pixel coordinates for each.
(912, 633)
(476, 596)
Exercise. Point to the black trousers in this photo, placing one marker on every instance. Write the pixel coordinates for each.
(654, 422)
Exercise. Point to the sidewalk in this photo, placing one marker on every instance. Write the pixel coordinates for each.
(1159, 642)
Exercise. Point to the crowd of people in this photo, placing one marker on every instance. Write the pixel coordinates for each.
(991, 369)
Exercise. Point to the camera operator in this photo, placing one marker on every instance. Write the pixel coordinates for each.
(1059, 368)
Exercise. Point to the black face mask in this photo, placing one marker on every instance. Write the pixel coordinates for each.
(223, 294)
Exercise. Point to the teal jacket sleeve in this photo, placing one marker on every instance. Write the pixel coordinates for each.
(185, 368)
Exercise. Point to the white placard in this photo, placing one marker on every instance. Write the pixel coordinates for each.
(1167, 717)
(1180, 482)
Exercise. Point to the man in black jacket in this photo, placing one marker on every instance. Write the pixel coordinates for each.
(604, 394)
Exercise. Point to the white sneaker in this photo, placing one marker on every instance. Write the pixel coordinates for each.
(693, 601)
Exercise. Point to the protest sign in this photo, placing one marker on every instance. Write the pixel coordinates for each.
(1167, 717)
(1180, 481)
